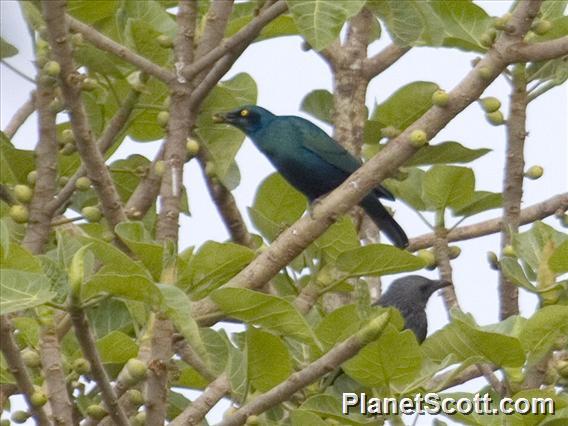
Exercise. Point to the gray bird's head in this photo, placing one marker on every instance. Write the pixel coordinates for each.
(248, 118)
(412, 289)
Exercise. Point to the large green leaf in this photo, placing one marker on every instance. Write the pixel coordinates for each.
(92, 11)
(448, 186)
(542, 330)
(243, 13)
(270, 312)
(537, 244)
(409, 190)
(336, 324)
(20, 290)
(479, 202)
(377, 259)
(464, 23)
(131, 287)
(139, 240)
(329, 407)
(445, 152)
(222, 140)
(320, 21)
(213, 265)
(269, 362)
(116, 348)
(304, 417)
(340, 237)
(276, 206)
(141, 37)
(469, 342)
(558, 261)
(514, 272)
(409, 22)
(405, 105)
(15, 164)
(319, 103)
(390, 362)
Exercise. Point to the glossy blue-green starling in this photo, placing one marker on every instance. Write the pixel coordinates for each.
(309, 159)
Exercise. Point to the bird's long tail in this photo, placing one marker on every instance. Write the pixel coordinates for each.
(379, 214)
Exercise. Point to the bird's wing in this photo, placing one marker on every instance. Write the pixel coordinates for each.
(321, 144)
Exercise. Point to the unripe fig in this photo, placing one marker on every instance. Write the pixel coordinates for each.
(485, 72)
(56, 105)
(140, 418)
(41, 59)
(562, 368)
(488, 38)
(210, 169)
(541, 26)
(165, 41)
(81, 366)
(68, 149)
(38, 399)
(428, 257)
(4, 422)
(162, 118)
(490, 104)
(77, 39)
(390, 132)
(31, 358)
(91, 213)
(192, 147)
(493, 260)
(52, 68)
(67, 136)
(496, 118)
(89, 84)
(107, 236)
(96, 411)
(136, 369)
(135, 397)
(32, 177)
(20, 416)
(418, 138)
(160, 168)
(19, 213)
(63, 180)
(41, 44)
(166, 102)
(23, 193)
(501, 22)
(534, 172)
(252, 421)
(509, 251)
(454, 252)
(83, 183)
(440, 98)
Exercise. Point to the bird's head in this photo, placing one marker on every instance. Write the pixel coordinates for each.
(414, 289)
(248, 118)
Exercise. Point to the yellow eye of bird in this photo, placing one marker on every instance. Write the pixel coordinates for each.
(244, 113)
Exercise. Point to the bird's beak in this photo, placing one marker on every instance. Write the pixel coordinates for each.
(220, 118)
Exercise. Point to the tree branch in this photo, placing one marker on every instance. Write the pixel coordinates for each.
(527, 215)
(196, 411)
(378, 63)
(20, 116)
(18, 369)
(54, 15)
(327, 363)
(534, 52)
(296, 238)
(248, 33)
(442, 253)
(108, 45)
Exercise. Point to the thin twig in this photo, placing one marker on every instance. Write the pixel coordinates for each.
(378, 63)
(18, 72)
(20, 116)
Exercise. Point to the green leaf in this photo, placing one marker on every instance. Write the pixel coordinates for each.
(139, 241)
(131, 287)
(90, 12)
(445, 152)
(558, 261)
(151, 12)
(409, 190)
(243, 13)
(340, 237)
(319, 103)
(469, 342)
(108, 316)
(448, 186)
(405, 105)
(409, 23)
(178, 309)
(116, 348)
(21, 259)
(480, 202)
(127, 173)
(276, 206)
(329, 406)
(513, 271)
(4, 239)
(21, 290)
(464, 23)
(320, 21)
(222, 140)
(390, 362)
(531, 246)
(15, 164)
(377, 259)
(542, 330)
(213, 265)
(304, 417)
(334, 326)
(270, 312)
(269, 362)
(6, 49)
(141, 37)
(113, 259)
